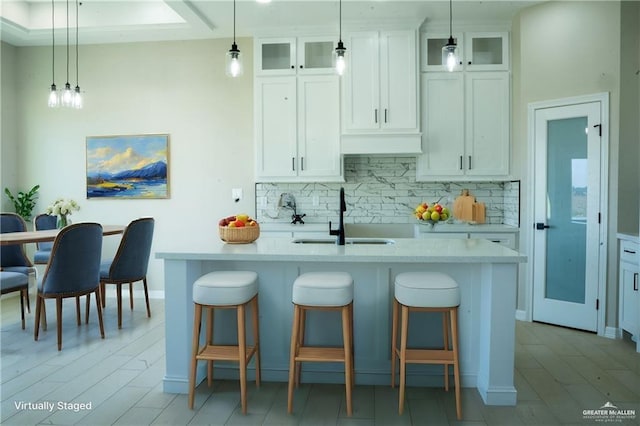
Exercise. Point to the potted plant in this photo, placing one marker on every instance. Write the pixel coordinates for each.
(24, 202)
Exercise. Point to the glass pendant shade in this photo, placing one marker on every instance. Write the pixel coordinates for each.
(234, 62)
(341, 63)
(77, 98)
(450, 56)
(54, 101)
(67, 96)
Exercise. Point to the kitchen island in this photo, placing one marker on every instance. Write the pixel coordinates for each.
(486, 272)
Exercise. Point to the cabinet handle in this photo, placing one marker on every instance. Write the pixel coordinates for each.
(635, 281)
(293, 163)
(469, 62)
(301, 66)
(469, 162)
(461, 162)
(301, 163)
(293, 67)
(375, 115)
(629, 251)
(385, 115)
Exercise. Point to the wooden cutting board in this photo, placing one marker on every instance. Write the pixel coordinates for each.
(467, 209)
(463, 206)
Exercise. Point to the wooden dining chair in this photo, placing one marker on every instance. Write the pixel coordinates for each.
(43, 249)
(73, 270)
(130, 263)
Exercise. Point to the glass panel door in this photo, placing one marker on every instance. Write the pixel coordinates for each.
(566, 209)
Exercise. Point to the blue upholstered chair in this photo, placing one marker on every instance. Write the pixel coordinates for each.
(43, 250)
(73, 270)
(130, 263)
(15, 281)
(13, 257)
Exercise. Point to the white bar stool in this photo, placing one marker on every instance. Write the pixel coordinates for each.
(329, 291)
(225, 290)
(426, 292)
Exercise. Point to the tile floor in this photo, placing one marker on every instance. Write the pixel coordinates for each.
(559, 373)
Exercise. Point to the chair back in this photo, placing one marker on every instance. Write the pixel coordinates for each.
(14, 254)
(74, 265)
(132, 258)
(42, 222)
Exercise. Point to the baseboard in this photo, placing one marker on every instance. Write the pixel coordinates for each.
(521, 315)
(613, 332)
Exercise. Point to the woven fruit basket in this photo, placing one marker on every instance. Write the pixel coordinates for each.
(243, 235)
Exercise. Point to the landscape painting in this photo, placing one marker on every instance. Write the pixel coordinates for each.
(128, 166)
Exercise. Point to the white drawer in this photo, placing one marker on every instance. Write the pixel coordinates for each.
(506, 239)
(629, 251)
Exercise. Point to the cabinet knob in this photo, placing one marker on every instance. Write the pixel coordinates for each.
(301, 66)
(293, 67)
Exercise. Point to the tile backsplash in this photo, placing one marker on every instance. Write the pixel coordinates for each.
(382, 190)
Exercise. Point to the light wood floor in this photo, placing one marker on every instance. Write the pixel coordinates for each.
(559, 373)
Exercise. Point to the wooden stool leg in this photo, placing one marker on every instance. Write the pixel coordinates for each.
(292, 356)
(256, 338)
(456, 362)
(195, 343)
(403, 356)
(242, 355)
(303, 318)
(346, 337)
(209, 331)
(445, 336)
(394, 341)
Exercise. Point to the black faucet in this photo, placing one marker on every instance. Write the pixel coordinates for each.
(340, 231)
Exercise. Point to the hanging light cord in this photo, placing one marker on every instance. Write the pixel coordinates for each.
(451, 18)
(53, 45)
(67, 41)
(77, 76)
(234, 21)
(340, 20)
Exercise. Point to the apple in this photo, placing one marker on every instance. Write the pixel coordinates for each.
(426, 215)
(232, 224)
(239, 224)
(243, 217)
(435, 216)
(438, 208)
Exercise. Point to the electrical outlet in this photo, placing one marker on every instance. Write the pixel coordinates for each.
(236, 194)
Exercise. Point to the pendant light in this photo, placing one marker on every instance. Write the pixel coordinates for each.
(234, 57)
(77, 97)
(67, 95)
(53, 94)
(450, 55)
(340, 50)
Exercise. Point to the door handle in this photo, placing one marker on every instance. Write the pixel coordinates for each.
(635, 281)
(541, 226)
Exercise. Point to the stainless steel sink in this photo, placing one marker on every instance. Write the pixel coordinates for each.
(379, 241)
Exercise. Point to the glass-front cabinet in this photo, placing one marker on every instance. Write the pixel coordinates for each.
(290, 56)
(479, 51)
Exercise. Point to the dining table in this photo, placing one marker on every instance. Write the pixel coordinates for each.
(45, 235)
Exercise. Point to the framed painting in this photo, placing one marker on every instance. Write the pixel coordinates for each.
(133, 166)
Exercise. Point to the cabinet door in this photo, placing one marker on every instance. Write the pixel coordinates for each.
(316, 55)
(487, 51)
(275, 56)
(487, 124)
(442, 115)
(275, 127)
(398, 75)
(431, 51)
(361, 83)
(629, 298)
(319, 126)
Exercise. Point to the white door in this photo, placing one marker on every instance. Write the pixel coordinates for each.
(567, 212)
(398, 87)
(361, 83)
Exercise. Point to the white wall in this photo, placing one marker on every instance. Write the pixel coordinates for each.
(8, 129)
(566, 49)
(175, 87)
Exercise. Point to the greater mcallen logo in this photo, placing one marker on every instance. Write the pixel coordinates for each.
(608, 413)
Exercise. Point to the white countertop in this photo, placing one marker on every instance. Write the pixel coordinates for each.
(422, 226)
(404, 250)
(628, 237)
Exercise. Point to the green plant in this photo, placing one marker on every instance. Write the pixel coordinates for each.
(24, 202)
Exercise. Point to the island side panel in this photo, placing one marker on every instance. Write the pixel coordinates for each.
(497, 334)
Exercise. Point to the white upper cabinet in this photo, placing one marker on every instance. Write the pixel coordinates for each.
(465, 126)
(380, 90)
(291, 55)
(297, 129)
(479, 51)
